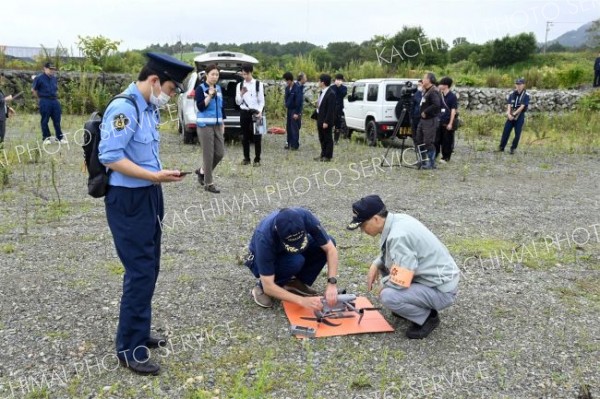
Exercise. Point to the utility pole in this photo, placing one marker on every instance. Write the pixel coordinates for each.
(548, 25)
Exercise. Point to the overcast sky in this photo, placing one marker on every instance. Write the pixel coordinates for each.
(138, 23)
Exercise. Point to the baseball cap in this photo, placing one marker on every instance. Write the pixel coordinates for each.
(364, 209)
(290, 228)
(49, 65)
(169, 66)
(520, 81)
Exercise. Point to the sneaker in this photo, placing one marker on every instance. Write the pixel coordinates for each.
(261, 299)
(442, 161)
(286, 147)
(298, 287)
(325, 159)
(416, 331)
(48, 140)
(63, 141)
(318, 159)
(512, 151)
(500, 149)
(246, 162)
(256, 164)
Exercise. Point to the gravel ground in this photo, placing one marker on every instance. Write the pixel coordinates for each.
(525, 325)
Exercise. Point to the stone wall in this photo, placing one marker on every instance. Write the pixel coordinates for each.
(492, 100)
(473, 99)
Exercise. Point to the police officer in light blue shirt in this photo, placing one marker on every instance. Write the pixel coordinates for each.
(129, 147)
(45, 88)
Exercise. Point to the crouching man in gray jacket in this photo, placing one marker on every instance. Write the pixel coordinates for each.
(419, 275)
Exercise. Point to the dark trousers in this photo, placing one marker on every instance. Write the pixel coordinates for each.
(516, 124)
(248, 136)
(133, 217)
(444, 143)
(305, 266)
(326, 140)
(596, 78)
(414, 124)
(339, 117)
(426, 134)
(50, 109)
(293, 131)
(2, 130)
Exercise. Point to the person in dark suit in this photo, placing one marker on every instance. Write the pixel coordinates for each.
(325, 118)
(597, 72)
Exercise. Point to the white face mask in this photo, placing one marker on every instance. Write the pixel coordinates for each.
(161, 99)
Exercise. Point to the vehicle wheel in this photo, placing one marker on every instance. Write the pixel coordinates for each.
(371, 134)
(190, 136)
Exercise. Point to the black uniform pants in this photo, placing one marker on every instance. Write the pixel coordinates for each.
(326, 140)
(444, 142)
(248, 136)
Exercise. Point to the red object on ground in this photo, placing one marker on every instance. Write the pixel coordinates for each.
(276, 130)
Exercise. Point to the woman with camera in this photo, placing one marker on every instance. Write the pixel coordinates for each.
(210, 127)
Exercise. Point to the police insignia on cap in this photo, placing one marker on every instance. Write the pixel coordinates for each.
(120, 122)
(293, 239)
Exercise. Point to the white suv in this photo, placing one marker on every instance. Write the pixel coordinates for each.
(229, 64)
(370, 106)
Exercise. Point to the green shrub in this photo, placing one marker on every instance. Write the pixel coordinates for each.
(590, 102)
(571, 76)
(274, 106)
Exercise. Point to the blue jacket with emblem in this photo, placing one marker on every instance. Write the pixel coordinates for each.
(211, 114)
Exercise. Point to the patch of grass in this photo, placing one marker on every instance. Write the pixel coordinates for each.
(567, 132)
(57, 335)
(115, 268)
(8, 248)
(52, 211)
(42, 393)
(482, 247)
(360, 382)
(587, 290)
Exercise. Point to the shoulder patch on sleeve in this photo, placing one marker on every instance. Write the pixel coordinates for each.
(120, 122)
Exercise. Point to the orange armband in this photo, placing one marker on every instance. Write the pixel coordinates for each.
(401, 276)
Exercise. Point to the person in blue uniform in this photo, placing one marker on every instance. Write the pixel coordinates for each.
(516, 106)
(129, 148)
(340, 93)
(294, 97)
(288, 250)
(45, 88)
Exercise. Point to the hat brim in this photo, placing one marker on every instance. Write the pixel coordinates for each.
(355, 224)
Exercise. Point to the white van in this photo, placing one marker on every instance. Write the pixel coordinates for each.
(370, 106)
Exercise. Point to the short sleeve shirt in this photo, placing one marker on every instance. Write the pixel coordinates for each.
(266, 246)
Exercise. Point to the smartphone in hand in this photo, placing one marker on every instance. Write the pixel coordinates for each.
(181, 174)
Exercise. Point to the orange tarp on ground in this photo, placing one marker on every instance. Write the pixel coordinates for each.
(372, 321)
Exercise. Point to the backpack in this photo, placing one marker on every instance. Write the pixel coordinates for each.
(97, 173)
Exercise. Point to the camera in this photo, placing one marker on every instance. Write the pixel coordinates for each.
(408, 91)
(405, 103)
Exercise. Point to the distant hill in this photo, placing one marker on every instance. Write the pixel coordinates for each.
(575, 38)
